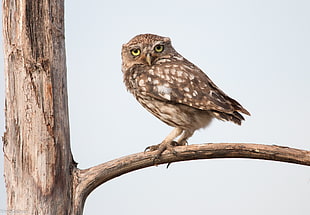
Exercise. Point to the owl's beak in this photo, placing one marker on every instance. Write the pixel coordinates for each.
(148, 59)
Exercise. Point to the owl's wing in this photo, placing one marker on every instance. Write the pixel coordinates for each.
(186, 84)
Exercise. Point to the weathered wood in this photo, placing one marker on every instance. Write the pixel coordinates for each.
(90, 178)
(38, 161)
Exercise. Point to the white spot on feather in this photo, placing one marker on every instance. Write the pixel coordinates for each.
(167, 96)
(180, 80)
(155, 82)
(179, 57)
(143, 89)
(179, 73)
(141, 83)
(164, 91)
(188, 95)
(167, 78)
(166, 85)
(151, 71)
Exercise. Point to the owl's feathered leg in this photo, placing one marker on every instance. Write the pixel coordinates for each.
(182, 141)
(167, 144)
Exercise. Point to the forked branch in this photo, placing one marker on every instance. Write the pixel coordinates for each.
(88, 179)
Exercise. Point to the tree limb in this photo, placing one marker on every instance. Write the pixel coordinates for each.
(89, 179)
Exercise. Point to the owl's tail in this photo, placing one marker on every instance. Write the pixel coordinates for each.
(234, 117)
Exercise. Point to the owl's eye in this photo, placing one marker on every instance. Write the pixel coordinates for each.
(135, 52)
(159, 48)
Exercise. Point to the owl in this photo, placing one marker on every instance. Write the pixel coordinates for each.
(173, 89)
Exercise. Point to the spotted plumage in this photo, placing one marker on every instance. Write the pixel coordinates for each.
(173, 89)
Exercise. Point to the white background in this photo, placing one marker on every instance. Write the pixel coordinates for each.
(258, 52)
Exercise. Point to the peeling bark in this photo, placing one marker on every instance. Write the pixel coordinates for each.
(38, 163)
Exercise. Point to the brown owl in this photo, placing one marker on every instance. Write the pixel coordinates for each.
(173, 89)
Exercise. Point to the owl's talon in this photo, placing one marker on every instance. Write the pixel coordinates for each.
(147, 149)
(151, 148)
(174, 143)
(160, 148)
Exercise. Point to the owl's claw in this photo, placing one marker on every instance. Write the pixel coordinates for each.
(160, 148)
(151, 148)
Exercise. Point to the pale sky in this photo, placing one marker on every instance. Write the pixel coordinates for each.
(258, 52)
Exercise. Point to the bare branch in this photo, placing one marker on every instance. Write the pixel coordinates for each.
(89, 179)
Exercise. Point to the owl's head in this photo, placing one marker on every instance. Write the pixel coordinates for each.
(146, 49)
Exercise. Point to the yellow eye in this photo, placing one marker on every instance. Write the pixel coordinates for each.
(159, 48)
(135, 52)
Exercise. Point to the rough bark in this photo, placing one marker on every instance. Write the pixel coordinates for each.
(38, 162)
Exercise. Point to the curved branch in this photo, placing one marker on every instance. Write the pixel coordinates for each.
(88, 179)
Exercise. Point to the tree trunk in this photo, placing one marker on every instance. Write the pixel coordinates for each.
(38, 164)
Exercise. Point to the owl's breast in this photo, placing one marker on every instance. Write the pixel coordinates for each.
(130, 78)
(137, 79)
